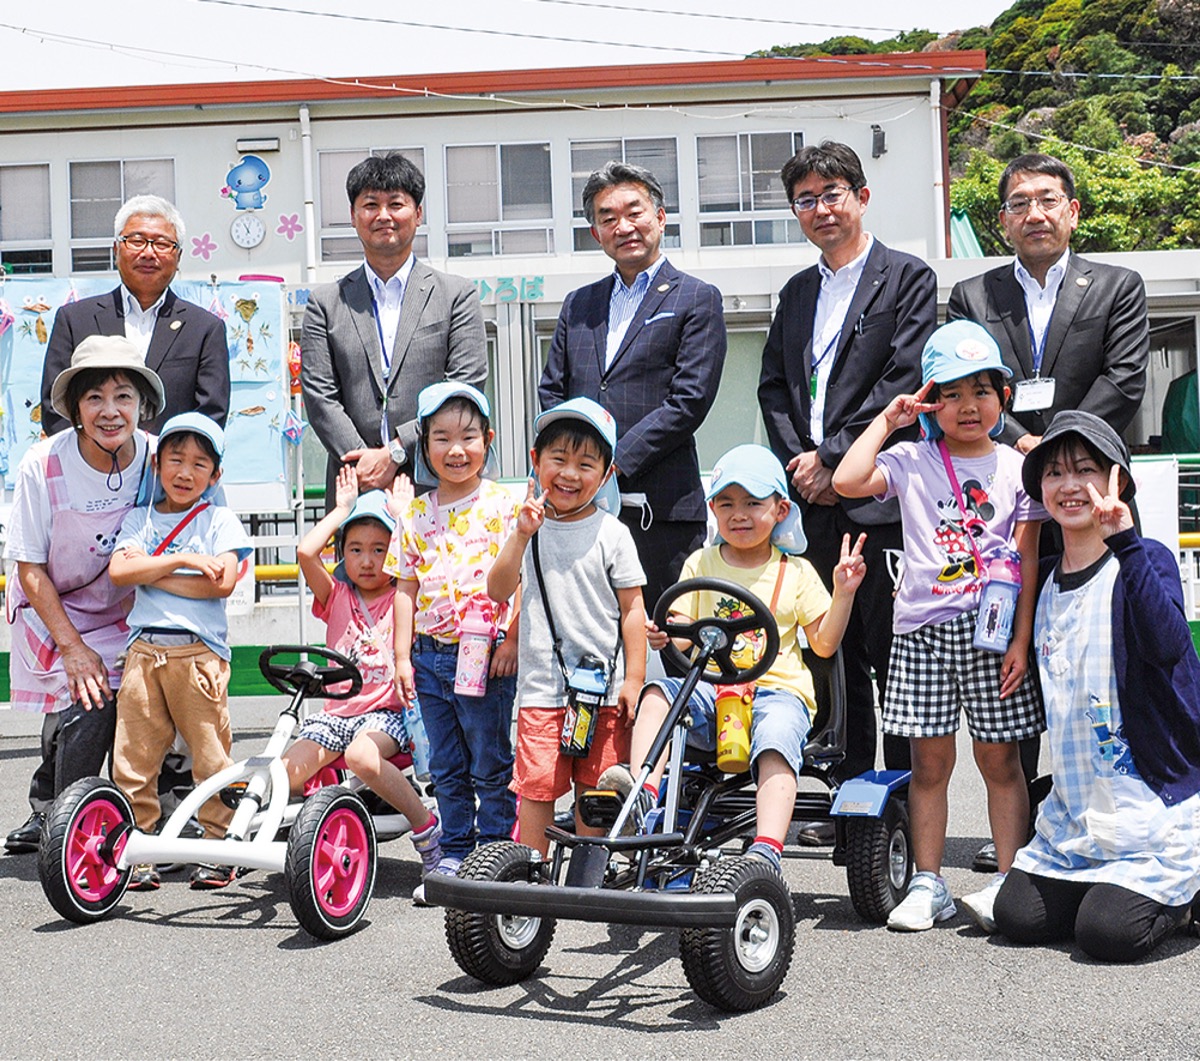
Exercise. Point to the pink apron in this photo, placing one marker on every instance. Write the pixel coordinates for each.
(81, 544)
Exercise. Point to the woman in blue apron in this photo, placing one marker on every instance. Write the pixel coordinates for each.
(1115, 858)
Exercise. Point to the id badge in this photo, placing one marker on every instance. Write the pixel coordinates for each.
(1033, 395)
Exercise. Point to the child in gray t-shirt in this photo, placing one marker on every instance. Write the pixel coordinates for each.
(593, 585)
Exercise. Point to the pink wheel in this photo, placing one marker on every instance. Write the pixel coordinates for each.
(82, 841)
(331, 863)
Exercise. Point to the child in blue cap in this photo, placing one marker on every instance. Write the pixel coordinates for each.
(582, 582)
(357, 605)
(963, 507)
(441, 555)
(758, 531)
(181, 552)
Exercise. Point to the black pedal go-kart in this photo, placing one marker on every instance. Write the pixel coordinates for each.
(684, 869)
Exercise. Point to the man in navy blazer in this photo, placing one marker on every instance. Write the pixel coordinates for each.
(647, 343)
(1075, 333)
(846, 339)
(182, 342)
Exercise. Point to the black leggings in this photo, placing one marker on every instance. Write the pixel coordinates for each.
(1110, 923)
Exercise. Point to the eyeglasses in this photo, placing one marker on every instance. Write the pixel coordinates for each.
(137, 244)
(1047, 204)
(830, 198)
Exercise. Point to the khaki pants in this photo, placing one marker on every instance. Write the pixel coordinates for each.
(164, 689)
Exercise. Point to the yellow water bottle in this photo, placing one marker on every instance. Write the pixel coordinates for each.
(734, 707)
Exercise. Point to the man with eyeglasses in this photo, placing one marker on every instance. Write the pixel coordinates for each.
(182, 342)
(846, 339)
(1074, 332)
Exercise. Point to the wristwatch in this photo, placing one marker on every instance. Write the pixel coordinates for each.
(396, 452)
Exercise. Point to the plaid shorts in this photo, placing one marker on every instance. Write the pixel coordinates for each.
(936, 672)
(335, 732)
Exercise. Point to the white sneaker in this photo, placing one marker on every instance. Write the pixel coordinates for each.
(928, 900)
(447, 866)
(979, 905)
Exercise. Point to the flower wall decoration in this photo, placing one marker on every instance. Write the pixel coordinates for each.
(203, 246)
(289, 226)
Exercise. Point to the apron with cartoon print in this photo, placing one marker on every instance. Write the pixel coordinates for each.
(77, 565)
(1101, 821)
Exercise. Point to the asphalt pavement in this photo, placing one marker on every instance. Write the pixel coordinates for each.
(185, 974)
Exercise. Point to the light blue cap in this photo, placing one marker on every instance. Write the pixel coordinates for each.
(371, 504)
(957, 349)
(758, 471)
(197, 423)
(208, 428)
(608, 497)
(582, 409)
(429, 401)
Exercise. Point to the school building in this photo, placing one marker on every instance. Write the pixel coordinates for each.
(258, 170)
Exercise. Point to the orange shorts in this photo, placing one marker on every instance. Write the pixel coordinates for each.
(542, 772)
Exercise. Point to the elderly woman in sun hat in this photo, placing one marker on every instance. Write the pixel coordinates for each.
(68, 619)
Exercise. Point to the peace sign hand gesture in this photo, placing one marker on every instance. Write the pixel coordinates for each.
(533, 511)
(1110, 514)
(851, 568)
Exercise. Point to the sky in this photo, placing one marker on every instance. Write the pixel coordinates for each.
(91, 43)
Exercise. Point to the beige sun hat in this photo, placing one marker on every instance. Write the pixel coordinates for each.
(105, 352)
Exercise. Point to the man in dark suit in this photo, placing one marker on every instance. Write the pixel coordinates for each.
(182, 342)
(846, 339)
(1075, 333)
(647, 343)
(373, 340)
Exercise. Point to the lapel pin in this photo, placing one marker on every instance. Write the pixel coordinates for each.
(176, 325)
(1081, 281)
(663, 287)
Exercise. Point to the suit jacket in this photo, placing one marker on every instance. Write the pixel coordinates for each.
(187, 350)
(440, 336)
(892, 313)
(1097, 345)
(659, 388)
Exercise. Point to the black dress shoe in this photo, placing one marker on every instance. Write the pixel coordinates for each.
(985, 859)
(816, 834)
(25, 837)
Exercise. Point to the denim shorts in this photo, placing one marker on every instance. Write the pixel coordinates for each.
(780, 721)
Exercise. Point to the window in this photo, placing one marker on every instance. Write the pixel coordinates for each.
(25, 245)
(338, 241)
(739, 176)
(657, 154)
(498, 200)
(97, 191)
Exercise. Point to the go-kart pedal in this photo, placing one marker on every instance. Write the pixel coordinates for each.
(599, 807)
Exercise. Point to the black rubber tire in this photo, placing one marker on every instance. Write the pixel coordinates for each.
(78, 874)
(742, 966)
(879, 861)
(494, 948)
(331, 863)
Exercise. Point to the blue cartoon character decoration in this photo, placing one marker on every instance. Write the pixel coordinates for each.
(245, 182)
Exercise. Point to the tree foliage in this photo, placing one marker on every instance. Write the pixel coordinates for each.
(1110, 86)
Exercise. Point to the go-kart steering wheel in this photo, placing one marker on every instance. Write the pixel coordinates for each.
(719, 632)
(304, 674)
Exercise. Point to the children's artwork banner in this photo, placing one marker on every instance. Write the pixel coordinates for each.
(256, 452)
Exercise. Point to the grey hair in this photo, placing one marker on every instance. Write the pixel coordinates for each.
(150, 206)
(616, 172)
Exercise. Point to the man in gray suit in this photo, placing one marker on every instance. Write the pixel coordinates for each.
(374, 339)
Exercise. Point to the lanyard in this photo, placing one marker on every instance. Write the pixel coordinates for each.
(969, 521)
(819, 361)
(162, 546)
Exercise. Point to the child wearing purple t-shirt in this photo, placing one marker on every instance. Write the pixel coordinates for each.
(963, 508)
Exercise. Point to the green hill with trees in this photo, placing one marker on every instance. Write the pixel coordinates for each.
(1110, 86)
